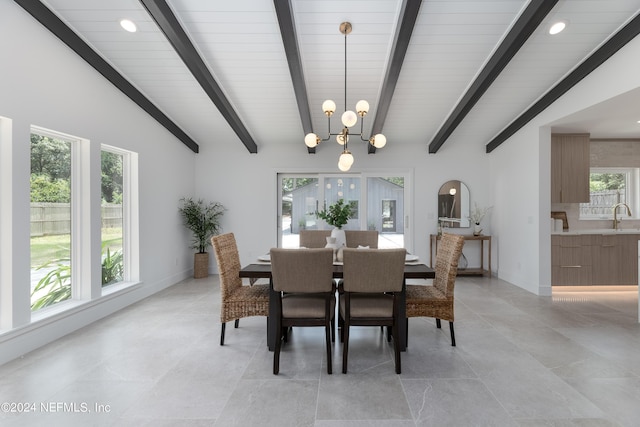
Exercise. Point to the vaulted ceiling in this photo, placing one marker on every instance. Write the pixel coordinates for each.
(435, 72)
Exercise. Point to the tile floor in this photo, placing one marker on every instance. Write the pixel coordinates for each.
(568, 360)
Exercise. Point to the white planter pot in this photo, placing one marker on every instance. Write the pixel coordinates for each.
(477, 230)
(341, 240)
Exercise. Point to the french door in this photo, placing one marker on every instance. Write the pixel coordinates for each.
(379, 202)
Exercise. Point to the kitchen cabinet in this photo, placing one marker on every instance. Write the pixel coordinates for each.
(571, 260)
(594, 259)
(570, 165)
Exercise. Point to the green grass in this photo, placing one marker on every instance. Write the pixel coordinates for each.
(47, 248)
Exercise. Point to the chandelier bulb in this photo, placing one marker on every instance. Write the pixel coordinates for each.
(362, 108)
(349, 118)
(346, 159)
(311, 140)
(329, 107)
(378, 140)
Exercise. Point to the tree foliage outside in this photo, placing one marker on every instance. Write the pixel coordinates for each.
(111, 165)
(606, 181)
(46, 190)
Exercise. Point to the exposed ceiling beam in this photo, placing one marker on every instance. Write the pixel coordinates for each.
(51, 21)
(404, 29)
(610, 47)
(291, 49)
(168, 23)
(526, 24)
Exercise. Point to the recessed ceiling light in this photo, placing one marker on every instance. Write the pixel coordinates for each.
(128, 25)
(557, 27)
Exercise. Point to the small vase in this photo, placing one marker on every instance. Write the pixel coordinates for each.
(338, 233)
(331, 243)
(477, 230)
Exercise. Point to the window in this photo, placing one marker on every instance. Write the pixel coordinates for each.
(609, 186)
(112, 249)
(377, 202)
(51, 218)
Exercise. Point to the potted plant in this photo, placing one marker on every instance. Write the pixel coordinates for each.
(337, 215)
(203, 219)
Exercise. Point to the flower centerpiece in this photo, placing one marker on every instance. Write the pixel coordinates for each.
(476, 216)
(337, 215)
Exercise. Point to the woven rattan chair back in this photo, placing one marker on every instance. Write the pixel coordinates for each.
(437, 300)
(449, 251)
(237, 301)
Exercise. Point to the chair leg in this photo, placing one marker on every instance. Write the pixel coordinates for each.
(327, 334)
(396, 347)
(345, 346)
(406, 333)
(276, 351)
(333, 329)
(438, 325)
(222, 334)
(453, 336)
(237, 323)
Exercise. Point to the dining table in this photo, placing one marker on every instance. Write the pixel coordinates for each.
(262, 270)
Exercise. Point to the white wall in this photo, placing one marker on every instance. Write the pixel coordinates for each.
(44, 83)
(517, 179)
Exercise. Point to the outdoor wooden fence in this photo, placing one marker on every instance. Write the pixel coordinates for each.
(55, 218)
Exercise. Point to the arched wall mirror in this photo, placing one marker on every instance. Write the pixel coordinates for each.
(453, 204)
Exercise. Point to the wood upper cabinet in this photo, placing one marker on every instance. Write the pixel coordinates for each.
(570, 165)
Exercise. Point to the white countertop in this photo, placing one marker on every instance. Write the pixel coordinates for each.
(571, 232)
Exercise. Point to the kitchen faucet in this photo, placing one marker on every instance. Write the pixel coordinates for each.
(615, 213)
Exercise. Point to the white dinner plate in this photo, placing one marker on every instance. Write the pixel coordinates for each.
(411, 258)
(265, 258)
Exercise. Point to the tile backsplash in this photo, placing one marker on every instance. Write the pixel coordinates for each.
(573, 214)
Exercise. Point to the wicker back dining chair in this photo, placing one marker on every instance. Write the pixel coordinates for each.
(436, 300)
(314, 238)
(306, 291)
(237, 301)
(357, 238)
(373, 279)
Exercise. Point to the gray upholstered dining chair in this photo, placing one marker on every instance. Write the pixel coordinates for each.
(314, 238)
(303, 279)
(373, 279)
(436, 300)
(237, 301)
(357, 238)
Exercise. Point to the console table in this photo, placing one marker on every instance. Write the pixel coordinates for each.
(433, 249)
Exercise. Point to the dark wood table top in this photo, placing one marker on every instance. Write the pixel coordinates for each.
(411, 271)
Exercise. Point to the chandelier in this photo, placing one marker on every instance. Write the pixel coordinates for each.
(349, 119)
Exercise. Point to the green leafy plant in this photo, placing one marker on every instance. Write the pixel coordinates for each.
(337, 215)
(112, 267)
(57, 281)
(203, 219)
